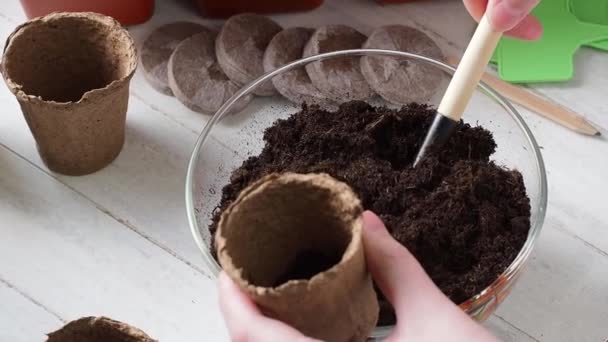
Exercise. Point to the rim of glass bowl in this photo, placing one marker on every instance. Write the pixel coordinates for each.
(513, 268)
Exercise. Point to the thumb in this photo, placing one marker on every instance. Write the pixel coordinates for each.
(419, 305)
(507, 14)
(397, 273)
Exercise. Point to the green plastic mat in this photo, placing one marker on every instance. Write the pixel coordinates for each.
(568, 25)
(595, 12)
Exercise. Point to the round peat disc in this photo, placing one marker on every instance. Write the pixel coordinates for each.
(196, 78)
(157, 49)
(399, 81)
(339, 79)
(240, 48)
(288, 46)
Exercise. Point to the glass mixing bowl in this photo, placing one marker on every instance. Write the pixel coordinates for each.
(229, 139)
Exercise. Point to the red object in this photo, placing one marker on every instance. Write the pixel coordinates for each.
(127, 12)
(226, 8)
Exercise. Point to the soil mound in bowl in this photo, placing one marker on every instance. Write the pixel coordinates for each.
(463, 217)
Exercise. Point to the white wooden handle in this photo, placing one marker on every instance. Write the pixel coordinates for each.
(469, 71)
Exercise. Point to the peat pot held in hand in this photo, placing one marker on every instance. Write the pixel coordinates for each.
(225, 160)
(70, 73)
(293, 243)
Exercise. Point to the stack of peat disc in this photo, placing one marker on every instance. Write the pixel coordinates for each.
(203, 68)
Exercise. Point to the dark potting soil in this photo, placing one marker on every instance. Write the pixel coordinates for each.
(463, 217)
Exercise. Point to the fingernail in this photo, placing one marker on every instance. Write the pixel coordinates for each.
(224, 280)
(506, 14)
(535, 32)
(515, 8)
(372, 221)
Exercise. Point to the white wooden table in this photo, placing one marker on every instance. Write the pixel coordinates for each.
(117, 243)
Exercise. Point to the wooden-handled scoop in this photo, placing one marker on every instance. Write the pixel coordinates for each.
(461, 87)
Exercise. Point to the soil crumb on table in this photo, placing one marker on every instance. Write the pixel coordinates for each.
(463, 217)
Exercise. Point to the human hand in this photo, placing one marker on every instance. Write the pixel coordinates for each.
(246, 323)
(509, 16)
(423, 312)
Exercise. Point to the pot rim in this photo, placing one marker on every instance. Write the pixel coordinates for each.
(110, 23)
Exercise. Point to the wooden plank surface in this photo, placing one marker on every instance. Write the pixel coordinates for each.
(76, 260)
(507, 332)
(117, 242)
(22, 319)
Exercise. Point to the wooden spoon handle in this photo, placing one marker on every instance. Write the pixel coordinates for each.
(469, 71)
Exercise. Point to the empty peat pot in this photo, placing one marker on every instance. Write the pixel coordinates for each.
(293, 243)
(70, 73)
(98, 329)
